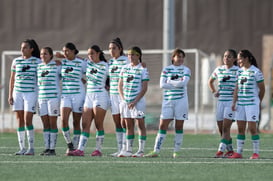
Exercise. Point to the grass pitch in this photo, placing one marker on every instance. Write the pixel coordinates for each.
(196, 162)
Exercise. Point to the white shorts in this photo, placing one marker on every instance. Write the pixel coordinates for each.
(114, 101)
(75, 102)
(247, 113)
(50, 107)
(98, 99)
(224, 111)
(137, 112)
(175, 109)
(24, 101)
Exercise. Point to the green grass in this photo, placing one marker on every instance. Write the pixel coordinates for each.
(196, 163)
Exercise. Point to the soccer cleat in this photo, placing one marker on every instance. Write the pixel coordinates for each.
(44, 152)
(176, 155)
(125, 154)
(29, 152)
(152, 154)
(96, 153)
(138, 154)
(21, 152)
(229, 153)
(50, 153)
(76, 153)
(219, 154)
(70, 148)
(255, 156)
(115, 154)
(235, 156)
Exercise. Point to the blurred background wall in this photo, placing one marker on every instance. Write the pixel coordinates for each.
(212, 25)
(208, 25)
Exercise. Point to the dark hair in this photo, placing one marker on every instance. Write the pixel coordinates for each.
(118, 42)
(234, 54)
(97, 49)
(71, 46)
(32, 44)
(50, 51)
(138, 50)
(177, 51)
(247, 53)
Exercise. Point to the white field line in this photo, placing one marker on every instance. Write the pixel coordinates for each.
(141, 162)
(146, 148)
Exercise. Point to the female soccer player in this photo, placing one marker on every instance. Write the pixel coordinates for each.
(115, 65)
(49, 74)
(248, 95)
(96, 101)
(23, 92)
(174, 79)
(73, 93)
(132, 87)
(226, 76)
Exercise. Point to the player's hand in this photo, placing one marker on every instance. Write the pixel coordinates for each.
(59, 55)
(10, 100)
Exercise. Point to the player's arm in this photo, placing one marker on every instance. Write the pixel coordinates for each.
(120, 88)
(261, 90)
(180, 82)
(235, 98)
(212, 87)
(11, 87)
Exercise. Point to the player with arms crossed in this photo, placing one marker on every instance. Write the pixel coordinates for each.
(174, 79)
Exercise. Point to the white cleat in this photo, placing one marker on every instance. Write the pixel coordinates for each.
(125, 154)
(138, 154)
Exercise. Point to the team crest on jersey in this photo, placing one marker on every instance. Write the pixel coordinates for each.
(68, 69)
(25, 68)
(93, 71)
(44, 73)
(226, 78)
(115, 68)
(243, 80)
(130, 78)
(174, 77)
(250, 73)
(137, 71)
(102, 66)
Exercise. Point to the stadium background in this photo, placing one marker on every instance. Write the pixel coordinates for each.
(212, 26)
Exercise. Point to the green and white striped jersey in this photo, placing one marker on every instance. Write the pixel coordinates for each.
(25, 74)
(115, 66)
(248, 90)
(72, 73)
(174, 80)
(49, 80)
(227, 79)
(132, 77)
(96, 75)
